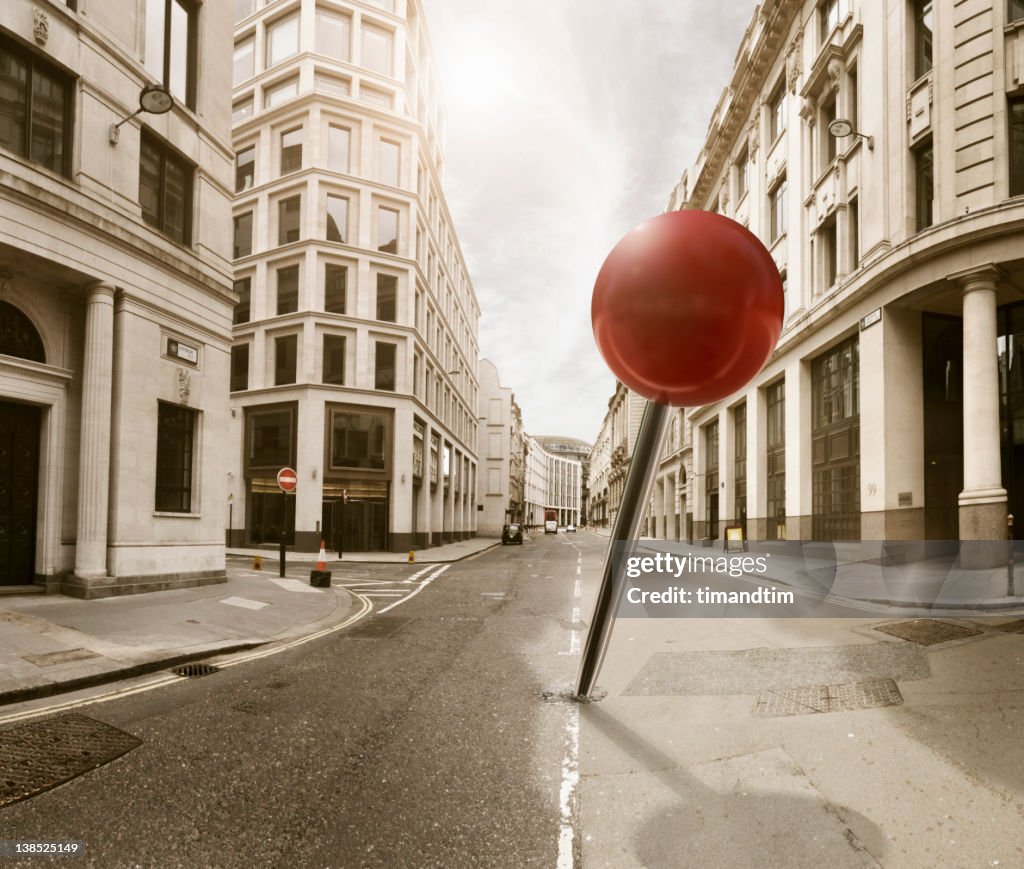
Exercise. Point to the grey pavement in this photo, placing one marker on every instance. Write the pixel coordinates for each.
(449, 552)
(53, 643)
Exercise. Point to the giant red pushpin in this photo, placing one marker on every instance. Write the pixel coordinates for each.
(686, 310)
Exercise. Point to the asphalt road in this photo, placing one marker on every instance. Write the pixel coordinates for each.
(420, 737)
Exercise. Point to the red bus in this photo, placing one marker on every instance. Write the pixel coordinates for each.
(550, 521)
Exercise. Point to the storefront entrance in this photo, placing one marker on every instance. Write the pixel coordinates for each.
(358, 526)
(270, 513)
(19, 481)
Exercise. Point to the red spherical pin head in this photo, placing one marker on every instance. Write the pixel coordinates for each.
(687, 308)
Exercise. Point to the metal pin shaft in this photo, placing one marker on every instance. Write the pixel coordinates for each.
(636, 494)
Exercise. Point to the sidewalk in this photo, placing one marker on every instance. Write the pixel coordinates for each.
(436, 555)
(52, 644)
(936, 583)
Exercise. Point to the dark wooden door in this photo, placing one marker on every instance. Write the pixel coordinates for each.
(19, 483)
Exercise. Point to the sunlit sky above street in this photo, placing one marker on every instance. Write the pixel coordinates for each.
(569, 122)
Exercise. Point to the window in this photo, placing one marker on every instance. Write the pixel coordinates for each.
(1015, 112)
(830, 253)
(376, 97)
(243, 234)
(165, 190)
(853, 99)
(853, 221)
(243, 288)
(830, 13)
(288, 290)
(337, 218)
(777, 112)
(384, 366)
(332, 84)
(711, 479)
(291, 150)
(35, 109)
(174, 446)
(333, 34)
(241, 110)
(282, 40)
(245, 168)
(170, 47)
(742, 175)
(334, 359)
(245, 60)
(335, 289)
(777, 209)
(358, 440)
(828, 144)
(277, 94)
(387, 291)
(924, 184)
(1014, 10)
(739, 418)
(775, 401)
(243, 9)
(388, 161)
(338, 142)
(285, 350)
(387, 229)
(377, 49)
(239, 367)
(270, 439)
(922, 37)
(289, 212)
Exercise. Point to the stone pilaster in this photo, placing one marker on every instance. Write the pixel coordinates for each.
(983, 499)
(94, 445)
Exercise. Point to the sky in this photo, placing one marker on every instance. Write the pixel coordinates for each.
(568, 123)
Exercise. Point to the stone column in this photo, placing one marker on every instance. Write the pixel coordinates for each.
(94, 438)
(983, 500)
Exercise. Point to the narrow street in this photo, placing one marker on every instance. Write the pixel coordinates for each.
(419, 736)
(434, 732)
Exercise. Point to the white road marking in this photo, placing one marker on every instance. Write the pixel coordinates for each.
(418, 588)
(245, 603)
(295, 585)
(577, 590)
(418, 574)
(579, 570)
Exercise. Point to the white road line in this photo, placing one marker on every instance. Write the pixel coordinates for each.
(579, 570)
(418, 574)
(577, 589)
(418, 588)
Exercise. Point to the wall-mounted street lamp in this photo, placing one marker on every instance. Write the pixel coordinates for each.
(841, 128)
(154, 99)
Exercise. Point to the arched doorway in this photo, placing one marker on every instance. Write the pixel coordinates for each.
(19, 456)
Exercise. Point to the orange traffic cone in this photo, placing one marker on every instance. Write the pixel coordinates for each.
(321, 561)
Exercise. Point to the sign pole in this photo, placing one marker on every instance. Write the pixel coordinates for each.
(287, 480)
(635, 497)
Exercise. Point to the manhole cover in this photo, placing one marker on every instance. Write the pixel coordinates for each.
(195, 669)
(1014, 627)
(828, 698)
(927, 632)
(40, 755)
(378, 628)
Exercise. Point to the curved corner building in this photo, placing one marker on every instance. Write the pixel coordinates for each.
(355, 338)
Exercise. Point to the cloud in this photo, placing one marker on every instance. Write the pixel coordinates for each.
(568, 123)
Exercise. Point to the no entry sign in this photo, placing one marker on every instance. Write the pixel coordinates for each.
(287, 479)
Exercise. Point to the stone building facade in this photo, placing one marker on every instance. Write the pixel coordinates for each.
(355, 343)
(877, 148)
(115, 295)
(500, 497)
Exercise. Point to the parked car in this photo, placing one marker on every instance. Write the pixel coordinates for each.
(512, 533)
(571, 528)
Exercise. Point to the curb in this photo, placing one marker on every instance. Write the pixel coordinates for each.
(19, 695)
(343, 561)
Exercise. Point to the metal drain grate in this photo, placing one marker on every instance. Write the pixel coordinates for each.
(927, 632)
(195, 669)
(379, 628)
(828, 698)
(1014, 627)
(40, 755)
